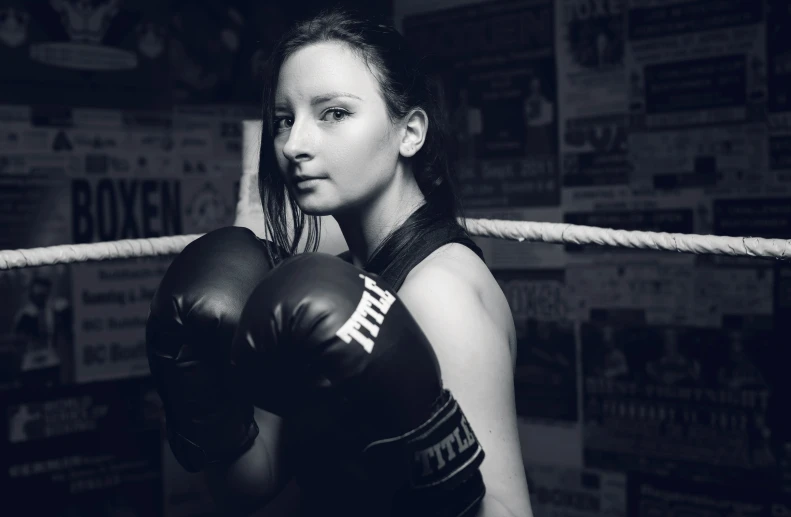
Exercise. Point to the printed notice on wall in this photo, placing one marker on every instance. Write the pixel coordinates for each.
(778, 51)
(108, 53)
(590, 39)
(496, 63)
(669, 293)
(546, 365)
(690, 402)
(36, 327)
(111, 302)
(567, 492)
(696, 73)
(83, 450)
(655, 496)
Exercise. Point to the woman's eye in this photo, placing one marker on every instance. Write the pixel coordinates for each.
(338, 114)
(282, 123)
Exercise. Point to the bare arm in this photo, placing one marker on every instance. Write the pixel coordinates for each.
(254, 484)
(476, 362)
(285, 504)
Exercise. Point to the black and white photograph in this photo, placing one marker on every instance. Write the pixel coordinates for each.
(395, 258)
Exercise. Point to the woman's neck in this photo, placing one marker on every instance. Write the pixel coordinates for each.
(365, 228)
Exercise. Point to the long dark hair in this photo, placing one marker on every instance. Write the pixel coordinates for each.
(405, 86)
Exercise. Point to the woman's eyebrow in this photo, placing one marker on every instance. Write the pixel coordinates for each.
(332, 95)
(325, 97)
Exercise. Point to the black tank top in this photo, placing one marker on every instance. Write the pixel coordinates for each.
(333, 481)
(395, 268)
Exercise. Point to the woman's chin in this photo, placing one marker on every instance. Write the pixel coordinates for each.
(314, 207)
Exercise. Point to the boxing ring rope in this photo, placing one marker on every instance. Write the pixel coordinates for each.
(557, 233)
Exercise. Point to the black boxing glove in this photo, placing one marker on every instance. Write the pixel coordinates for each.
(191, 323)
(321, 328)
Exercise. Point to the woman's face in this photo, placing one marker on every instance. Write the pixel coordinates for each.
(335, 144)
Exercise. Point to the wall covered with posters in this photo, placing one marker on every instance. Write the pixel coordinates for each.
(648, 383)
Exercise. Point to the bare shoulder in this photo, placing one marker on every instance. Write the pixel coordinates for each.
(466, 318)
(457, 266)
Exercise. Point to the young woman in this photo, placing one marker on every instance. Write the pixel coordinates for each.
(352, 130)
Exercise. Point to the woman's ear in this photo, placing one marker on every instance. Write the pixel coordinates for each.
(413, 133)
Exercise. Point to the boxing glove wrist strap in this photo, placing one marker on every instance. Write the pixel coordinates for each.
(438, 460)
(216, 439)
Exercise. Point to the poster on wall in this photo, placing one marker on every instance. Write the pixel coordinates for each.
(782, 326)
(759, 217)
(590, 39)
(693, 403)
(111, 303)
(83, 450)
(778, 51)
(105, 53)
(717, 160)
(671, 294)
(496, 63)
(218, 50)
(780, 156)
(155, 174)
(111, 209)
(36, 327)
(655, 496)
(34, 211)
(655, 293)
(545, 377)
(697, 93)
(568, 492)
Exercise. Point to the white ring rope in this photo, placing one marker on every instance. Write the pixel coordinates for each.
(68, 253)
(562, 233)
(558, 233)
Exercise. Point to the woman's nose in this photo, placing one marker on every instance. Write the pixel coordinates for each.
(300, 142)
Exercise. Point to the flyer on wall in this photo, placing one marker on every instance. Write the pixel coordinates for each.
(568, 492)
(36, 327)
(678, 294)
(92, 449)
(495, 62)
(658, 496)
(778, 49)
(545, 377)
(119, 49)
(697, 91)
(590, 40)
(693, 403)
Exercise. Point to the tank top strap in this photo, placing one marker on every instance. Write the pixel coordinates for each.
(395, 268)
